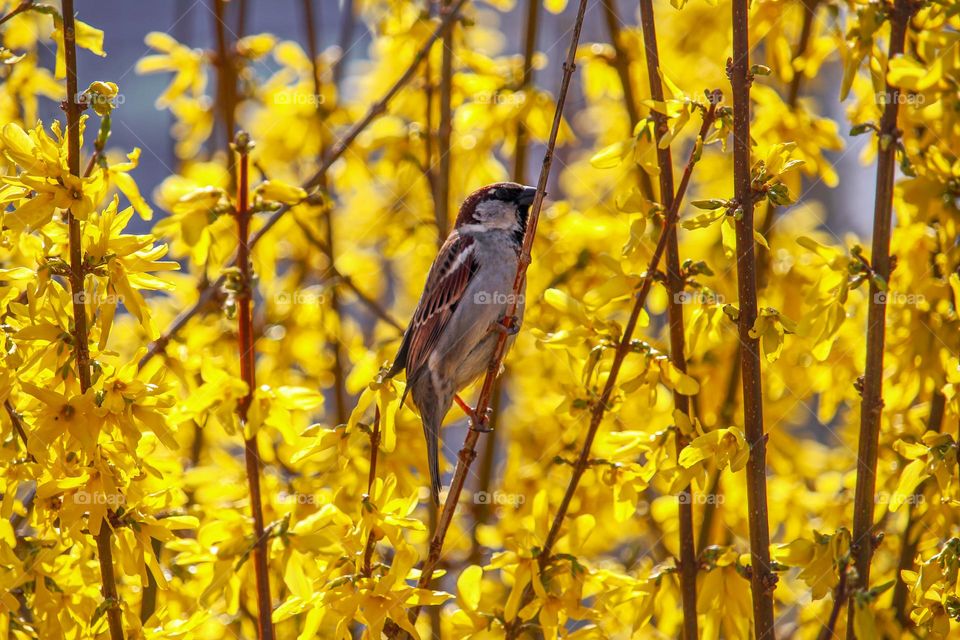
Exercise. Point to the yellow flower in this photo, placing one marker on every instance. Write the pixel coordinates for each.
(186, 63)
(45, 183)
(280, 192)
(118, 175)
(128, 263)
(58, 413)
(722, 446)
(101, 96)
(820, 559)
(87, 37)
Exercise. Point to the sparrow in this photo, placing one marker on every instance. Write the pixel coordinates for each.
(451, 339)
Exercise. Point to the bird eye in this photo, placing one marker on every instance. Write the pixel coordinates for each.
(502, 194)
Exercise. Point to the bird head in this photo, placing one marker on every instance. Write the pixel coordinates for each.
(503, 205)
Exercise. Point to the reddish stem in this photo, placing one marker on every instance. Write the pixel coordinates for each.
(248, 374)
(728, 406)
(226, 82)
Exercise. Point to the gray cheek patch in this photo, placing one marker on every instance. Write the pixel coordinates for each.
(496, 212)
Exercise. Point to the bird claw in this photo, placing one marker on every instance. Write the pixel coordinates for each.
(476, 424)
(501, 327)
(481, 426)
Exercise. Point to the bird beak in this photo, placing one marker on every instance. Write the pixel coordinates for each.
(526, 198)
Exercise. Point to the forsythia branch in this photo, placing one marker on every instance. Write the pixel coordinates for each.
(872, 405)
(81, 337)
(245, 343)
(468, 453)
(623, 348)
(675, 287)
(762, 579)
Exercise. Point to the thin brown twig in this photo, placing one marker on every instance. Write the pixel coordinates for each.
(368, 301)
(727, 408)
(242, 15)
(226, 83)
(428, 169)
(20, 8)
(81, 336)
(208, 292)
(338, 370)
(839, 596)
(244, 298)
(371, 478)
(806, 30)
(488, 455)
(334, 343)
(675, 287)
(310, 25)
(469, 450)
(762, 578)
(73, 108)
(481, 508)
(623, 348)
(872, 393)
(621, 63)
(18, 426)
(526, 81)
(444, 132)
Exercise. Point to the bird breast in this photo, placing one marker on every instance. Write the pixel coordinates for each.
(465, 348)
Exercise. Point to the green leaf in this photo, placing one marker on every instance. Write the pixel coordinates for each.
(710, 205)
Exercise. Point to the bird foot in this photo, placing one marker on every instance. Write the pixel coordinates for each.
(510, 329)
(482, 426)
(475, 423)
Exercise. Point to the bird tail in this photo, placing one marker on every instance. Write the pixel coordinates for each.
(403, 396)
(432, 437)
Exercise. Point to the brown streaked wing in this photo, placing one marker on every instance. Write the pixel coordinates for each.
(448, 279)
